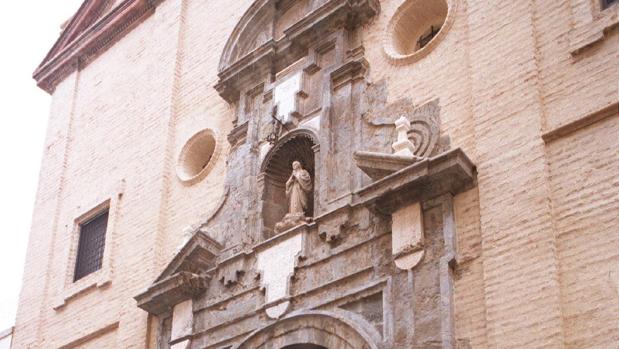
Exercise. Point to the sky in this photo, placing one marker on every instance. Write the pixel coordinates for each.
(28, 29)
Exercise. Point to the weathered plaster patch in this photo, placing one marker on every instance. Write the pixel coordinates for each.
(407, 236)
(276, 265)
(182, 320)
(312, 123)
(285, 97)
(264, 149)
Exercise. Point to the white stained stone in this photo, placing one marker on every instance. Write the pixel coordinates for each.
(285, 96)
(403, 145)
(182, 320)
(407, 236)
(276, 311)
(264, 149)
(312, 123)
(182, 345)
(276, 265)
(188, 232)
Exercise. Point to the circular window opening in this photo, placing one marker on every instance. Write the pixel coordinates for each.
(197, 156)
(416, 27)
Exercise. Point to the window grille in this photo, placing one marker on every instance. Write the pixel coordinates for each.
(608, 3)
(91, 245)
(428, 36)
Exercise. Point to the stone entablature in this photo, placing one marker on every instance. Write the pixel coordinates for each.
(268, 281)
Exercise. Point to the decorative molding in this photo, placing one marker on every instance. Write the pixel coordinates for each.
(162, 296)
(98, 333)
(260, 60)
(188, 179)
(401, 58)
(69, 55)
(598, 23)
(238, 134)
(341, 329)
(589, 119)
(185, 276)
(450, 172)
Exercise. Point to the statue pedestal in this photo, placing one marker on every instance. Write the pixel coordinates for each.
(290, 220)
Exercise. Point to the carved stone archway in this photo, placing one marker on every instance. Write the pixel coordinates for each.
(276, 168)
(315, 329)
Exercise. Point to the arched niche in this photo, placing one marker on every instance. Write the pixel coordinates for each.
(315, 330)
(299, 145)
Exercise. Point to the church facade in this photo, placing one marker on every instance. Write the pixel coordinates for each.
(328, 174)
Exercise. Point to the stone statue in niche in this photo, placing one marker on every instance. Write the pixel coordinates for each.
(298, 192)
(298, 188)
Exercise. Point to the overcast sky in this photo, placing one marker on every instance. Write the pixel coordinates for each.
(28, 29)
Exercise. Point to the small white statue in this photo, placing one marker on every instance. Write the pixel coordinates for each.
(403, 145)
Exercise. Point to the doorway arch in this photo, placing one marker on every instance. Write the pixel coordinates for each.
(316, 330)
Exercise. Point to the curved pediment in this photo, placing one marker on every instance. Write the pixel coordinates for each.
(265, 20)
(253, 30)
(278, 32)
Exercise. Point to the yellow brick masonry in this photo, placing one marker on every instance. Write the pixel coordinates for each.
(538, 242)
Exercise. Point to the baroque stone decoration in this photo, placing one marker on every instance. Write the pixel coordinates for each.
(324, 177)
(397, 242)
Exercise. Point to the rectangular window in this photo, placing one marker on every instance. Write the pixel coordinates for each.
(91, 245)
(607, 3)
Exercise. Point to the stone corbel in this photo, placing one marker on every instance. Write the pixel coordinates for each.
(333, 230)
(233, 272)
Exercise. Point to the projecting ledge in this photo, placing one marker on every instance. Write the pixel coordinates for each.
(165, 294)
(450, 172)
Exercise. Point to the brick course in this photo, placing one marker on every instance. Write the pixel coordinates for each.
(538, 262)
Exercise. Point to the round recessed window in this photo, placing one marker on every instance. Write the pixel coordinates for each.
(417, 27)
(197, 156)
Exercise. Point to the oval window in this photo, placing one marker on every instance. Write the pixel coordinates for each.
(197, 156)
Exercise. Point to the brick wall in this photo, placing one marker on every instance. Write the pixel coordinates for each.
(538, 263)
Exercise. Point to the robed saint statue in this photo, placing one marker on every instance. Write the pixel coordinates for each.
(299, 195)
(298, 190)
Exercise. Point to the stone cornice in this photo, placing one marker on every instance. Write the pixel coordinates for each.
(450, 172)
(165, 294)
(78, 46)
(335, 13)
